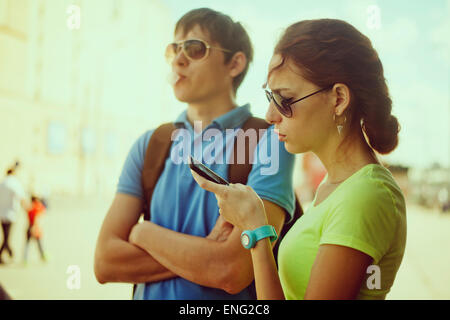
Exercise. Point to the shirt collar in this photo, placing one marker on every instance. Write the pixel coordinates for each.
(229, 120)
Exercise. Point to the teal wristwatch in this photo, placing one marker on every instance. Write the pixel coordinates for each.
(250, 237)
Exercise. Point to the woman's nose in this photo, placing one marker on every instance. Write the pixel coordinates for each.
(272, 114)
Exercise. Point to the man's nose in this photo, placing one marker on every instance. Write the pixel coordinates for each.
(180, 59)
(272, 114)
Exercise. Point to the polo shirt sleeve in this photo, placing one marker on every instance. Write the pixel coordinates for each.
(271, 174)
(366, 221)
(130, 177)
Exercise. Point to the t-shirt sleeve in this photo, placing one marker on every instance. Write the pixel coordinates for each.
(366, 221)
(271, 174)
(130, 177)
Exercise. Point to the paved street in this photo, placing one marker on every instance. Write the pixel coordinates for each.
(70, 232)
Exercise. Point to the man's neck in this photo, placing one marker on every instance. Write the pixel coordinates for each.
(207, 111)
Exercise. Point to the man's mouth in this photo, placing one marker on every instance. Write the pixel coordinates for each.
(176, 78)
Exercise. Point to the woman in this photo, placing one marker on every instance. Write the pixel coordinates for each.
(328, 95)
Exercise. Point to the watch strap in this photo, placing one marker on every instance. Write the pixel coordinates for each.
(267, 231)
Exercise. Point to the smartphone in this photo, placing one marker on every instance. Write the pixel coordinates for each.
(206, 172)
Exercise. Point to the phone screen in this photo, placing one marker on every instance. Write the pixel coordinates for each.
(205, 172)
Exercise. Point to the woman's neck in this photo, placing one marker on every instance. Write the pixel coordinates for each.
(341, 160)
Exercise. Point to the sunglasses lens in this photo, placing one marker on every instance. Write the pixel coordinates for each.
(282, 107)
(195, 49)
(171, 51)
(268, 96)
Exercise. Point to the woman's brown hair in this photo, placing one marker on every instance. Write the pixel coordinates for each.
(330, 51)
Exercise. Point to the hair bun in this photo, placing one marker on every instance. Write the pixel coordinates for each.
(383, 135)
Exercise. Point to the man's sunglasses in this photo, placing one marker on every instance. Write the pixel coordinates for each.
(193, 49)
(285, 105)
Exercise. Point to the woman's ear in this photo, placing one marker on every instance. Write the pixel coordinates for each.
(237, 64)
(341, 98)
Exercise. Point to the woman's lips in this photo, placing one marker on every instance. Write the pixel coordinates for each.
(281, 137)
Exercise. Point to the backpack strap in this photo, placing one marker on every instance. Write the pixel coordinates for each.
(238, 172)
(155, 158)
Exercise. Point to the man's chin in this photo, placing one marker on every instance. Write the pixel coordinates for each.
(187, 98)
(182, 97)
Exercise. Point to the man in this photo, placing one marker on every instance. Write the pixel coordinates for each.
(186, 251)
(11, 195)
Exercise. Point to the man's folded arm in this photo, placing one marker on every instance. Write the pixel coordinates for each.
(117, 260)
(224, 265)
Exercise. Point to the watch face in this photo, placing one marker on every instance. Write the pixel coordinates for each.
(245, 240)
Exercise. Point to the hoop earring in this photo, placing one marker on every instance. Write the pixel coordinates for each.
(339, 126)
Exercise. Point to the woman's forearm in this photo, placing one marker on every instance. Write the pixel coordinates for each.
(267, 281)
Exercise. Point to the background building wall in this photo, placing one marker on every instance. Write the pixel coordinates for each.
(73, 100)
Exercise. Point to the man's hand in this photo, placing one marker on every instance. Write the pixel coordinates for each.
(134, 233)
(221, 230)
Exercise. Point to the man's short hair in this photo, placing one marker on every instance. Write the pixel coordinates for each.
(223, 30)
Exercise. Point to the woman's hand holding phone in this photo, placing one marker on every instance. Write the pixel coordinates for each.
(238, 204)
(206, 172)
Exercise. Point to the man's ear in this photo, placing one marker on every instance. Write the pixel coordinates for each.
(237, 64)
(341, 98)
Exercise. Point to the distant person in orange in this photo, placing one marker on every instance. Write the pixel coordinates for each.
(36, 211)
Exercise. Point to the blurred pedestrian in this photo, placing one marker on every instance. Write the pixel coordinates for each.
(3, 294)
(12, 195)
(34, 230)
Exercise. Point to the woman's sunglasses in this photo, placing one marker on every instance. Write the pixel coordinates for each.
(285, 105)
(193, 49)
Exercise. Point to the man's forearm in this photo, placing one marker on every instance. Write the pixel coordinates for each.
(123, 262)
(196, 259)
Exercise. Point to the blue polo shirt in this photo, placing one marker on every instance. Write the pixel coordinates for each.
(179, 204)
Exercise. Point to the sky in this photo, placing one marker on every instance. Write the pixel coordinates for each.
(411, 38)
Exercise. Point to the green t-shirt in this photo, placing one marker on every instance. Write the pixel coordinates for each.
(365, 212)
